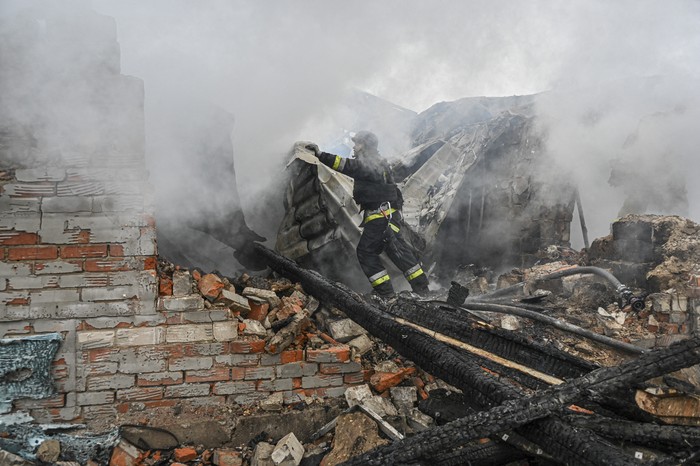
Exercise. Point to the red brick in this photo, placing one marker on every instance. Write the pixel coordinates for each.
(227, 458)
(357, 377)
(210, 286)
(84, 251)
(121, 457)
(116, 250)
(291, 356)
(258, 311)
(165, 286)
(237, 373)
(18, 238)
(382, 381)
(245, 347)
(216, 374)
(296, 383)
(185, 454)
(32, 253)
(106, 265)
(333, 354)
(150, 263)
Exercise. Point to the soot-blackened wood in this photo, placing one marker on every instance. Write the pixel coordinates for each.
(566, 444)
(509, 345)
(667, 437)
(514, 347)
(515, 413)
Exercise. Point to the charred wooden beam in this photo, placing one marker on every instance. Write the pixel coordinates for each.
(566, 444)
(666, 437)
(516, 413)
(510, 345)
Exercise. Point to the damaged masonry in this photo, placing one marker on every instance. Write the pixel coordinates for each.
(119, 347)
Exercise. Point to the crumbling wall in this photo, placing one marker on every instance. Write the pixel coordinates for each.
(77, 236)
(78, 251)
(660, 254)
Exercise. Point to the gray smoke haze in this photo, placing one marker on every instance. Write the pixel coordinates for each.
(283, 69)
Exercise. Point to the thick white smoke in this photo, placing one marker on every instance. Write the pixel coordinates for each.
(283, 68)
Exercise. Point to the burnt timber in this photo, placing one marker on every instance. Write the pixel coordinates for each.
(503, 405)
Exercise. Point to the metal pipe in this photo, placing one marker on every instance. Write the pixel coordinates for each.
(561, 325)
(624, 293)
(582, 221)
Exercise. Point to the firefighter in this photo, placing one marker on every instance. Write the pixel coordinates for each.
(381, 201)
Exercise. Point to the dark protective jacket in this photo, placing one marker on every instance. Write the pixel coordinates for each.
(374, 181)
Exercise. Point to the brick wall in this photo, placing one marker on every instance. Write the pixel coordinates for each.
(78, 257)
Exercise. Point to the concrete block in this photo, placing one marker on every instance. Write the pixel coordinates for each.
(140, 336)
(80, 188)
(30, 223)
(247, 399)
(190, 364)
(15, 269)
(321, 380)
(361, 344)
(357, 395)
(237, 302)
(239, 360)
(31, 175)
(661, 302)
(296, 369)
(95, 398)
(187, 390)
(3, 284)
(225, 331)
(274, 402)
(182, 283)
(339, 367)
(108, 293)
(66, 204)
(345, 330)
(255, 373)
(678, 317)
(57, 267)
(110, 382)
(679, 303)
(261, 456)
(140, 394)
(381, 406)
(95, 339)
(189, 333)
(233, 388)
(404, 398)
(288, 451)
(255, 328)
(104, 204)
(276, 385)
(267, 295)
(54, 296)
(11, 206)
(33, 283)
(43, 189)
(179, 304)
(81, 310)
(160, 378)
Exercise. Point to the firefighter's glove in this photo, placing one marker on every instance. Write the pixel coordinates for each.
(313, 148)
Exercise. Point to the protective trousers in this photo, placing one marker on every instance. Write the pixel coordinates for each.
(381, 235)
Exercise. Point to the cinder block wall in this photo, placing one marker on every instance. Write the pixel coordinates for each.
(78, 252)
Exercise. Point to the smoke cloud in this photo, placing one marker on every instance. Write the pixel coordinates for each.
(283, 69)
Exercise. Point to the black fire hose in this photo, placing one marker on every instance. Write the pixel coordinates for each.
(624, 293)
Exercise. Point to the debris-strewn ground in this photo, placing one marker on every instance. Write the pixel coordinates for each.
(391, 397)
